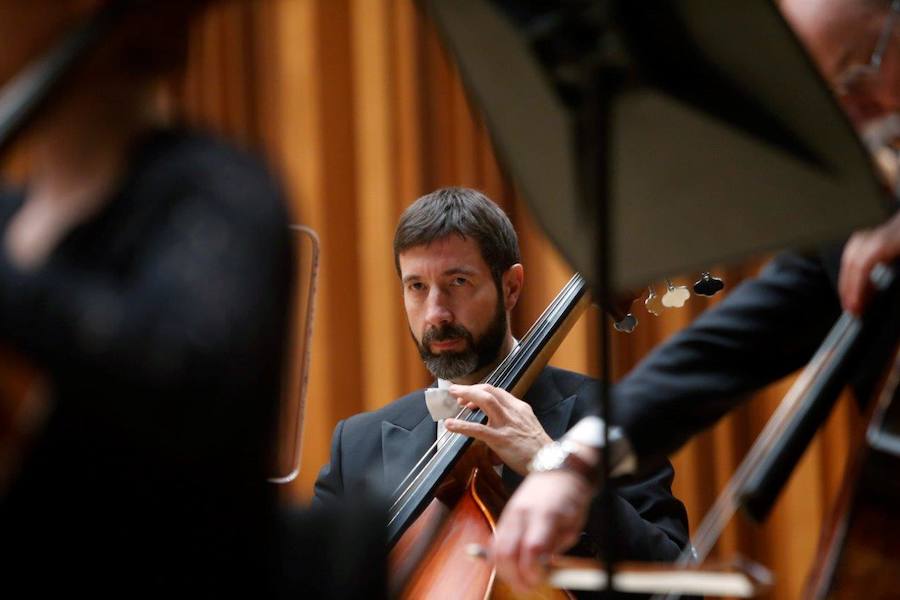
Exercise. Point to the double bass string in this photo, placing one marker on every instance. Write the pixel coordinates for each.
(418, 471)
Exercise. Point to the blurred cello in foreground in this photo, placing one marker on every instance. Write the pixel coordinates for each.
(859, 551)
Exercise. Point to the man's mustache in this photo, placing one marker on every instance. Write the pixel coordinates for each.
(445, 333)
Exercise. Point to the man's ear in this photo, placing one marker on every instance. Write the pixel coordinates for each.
(513, 279)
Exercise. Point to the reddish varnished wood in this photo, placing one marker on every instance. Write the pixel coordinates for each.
(445, 569)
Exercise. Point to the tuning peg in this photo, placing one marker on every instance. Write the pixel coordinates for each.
(675, 296)
(627, 324)
(653, 303)
(708, 285)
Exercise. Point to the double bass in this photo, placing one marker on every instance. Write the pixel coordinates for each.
(453, 497)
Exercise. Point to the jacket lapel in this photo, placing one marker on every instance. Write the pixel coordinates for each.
(402, 448)
(553, 410)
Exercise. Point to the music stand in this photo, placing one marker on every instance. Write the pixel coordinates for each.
(650, 138)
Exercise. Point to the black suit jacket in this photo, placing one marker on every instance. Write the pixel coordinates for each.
(377, 449)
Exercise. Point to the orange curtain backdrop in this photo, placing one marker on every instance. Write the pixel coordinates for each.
(360, 111)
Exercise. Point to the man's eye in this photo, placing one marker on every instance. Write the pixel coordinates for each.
(458, 281)
(416, 286)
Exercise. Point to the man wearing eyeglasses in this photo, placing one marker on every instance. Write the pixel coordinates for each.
(765, 329)
(838, 33)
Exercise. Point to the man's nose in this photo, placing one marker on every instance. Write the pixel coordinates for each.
(438, 311)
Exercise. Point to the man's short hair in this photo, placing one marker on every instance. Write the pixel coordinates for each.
(464, 212)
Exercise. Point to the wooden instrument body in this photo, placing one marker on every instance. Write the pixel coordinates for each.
(431, 560)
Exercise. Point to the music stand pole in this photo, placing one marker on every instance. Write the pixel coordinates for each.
(595, 125)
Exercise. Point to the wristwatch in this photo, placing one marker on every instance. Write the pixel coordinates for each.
(561, 456)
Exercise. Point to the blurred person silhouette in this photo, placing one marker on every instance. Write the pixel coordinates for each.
(147, 270)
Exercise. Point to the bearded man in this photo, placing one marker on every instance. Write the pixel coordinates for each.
(457, 256)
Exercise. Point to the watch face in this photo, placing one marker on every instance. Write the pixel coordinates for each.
(550, 458)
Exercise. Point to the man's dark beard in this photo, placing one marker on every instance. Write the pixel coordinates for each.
(476, 355)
